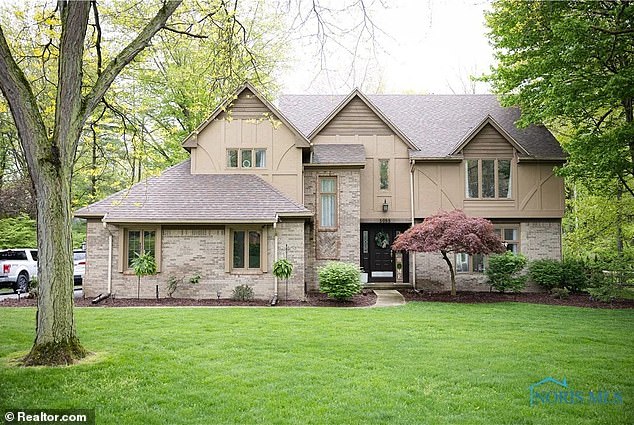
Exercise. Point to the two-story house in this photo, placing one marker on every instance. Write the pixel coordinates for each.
(322, 178)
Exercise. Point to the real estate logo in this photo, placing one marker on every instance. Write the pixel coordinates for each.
(559, 392)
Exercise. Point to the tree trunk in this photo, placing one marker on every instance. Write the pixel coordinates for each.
(451, 272)
(55, 342)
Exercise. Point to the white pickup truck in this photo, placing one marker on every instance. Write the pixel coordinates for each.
(17, 267)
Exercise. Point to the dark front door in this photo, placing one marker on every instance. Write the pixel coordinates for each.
(377, 257)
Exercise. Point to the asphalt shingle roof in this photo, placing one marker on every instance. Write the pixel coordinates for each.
(179, 196)
(436, 124)
(339, 154)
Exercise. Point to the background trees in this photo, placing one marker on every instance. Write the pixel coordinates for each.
(570, 65)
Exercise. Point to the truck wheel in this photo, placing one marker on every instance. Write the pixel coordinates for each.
(22, 283)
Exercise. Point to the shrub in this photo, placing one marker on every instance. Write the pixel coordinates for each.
(242, 293)
(503, 272)
(561, 293)
(546, 273)
(33, 288)
(173, 283)
(340, 280)
(603, 287)
(143, 264)
(574, 275)
(282, 268)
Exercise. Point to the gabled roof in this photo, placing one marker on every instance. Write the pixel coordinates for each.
(435, 124)
(368, 103)
(177, 196)
(190, 140)
(338, 154)
(491, 121)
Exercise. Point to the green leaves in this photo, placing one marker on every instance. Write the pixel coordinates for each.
(340, 280)
(144, 264)
(503, 272)
(282, 268)
(570, 65)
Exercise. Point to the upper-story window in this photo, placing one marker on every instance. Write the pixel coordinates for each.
(246, 158)
(384, 171)
(488, 178)
(328, 202)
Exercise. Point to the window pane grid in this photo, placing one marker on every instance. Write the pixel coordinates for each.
(328, 202)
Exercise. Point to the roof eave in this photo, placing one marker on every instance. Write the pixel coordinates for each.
(488, 120)
(336, 165)
(369, 104)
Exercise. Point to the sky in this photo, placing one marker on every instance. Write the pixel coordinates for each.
(423, 46)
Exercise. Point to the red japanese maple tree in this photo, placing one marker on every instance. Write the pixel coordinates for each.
(447, 232)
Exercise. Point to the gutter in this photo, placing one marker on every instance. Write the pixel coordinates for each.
(411, 198)
(277, 218)
(102, 297)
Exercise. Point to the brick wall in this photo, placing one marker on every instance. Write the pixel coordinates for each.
(539, 239)
(187, 251)
(342, 244)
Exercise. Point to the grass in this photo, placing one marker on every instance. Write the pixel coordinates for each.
(421, 363)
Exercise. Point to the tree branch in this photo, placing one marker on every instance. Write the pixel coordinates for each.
(126, 56)
(22, 103)
(187, 33)
(69, 72)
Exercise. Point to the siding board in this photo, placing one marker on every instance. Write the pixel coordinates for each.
(356, 118)
(488, 143)
(246, 106)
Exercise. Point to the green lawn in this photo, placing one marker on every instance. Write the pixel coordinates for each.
(421, 363)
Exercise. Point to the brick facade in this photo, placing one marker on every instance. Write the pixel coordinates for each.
(539, 240)
(187, 251)
(343, 243)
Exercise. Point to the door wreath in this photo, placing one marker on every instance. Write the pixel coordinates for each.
(382, 240)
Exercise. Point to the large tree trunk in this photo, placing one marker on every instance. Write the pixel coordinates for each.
(451, 272)
(50, 162)
(55, 342)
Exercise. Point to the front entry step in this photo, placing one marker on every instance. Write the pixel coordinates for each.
(387, 285)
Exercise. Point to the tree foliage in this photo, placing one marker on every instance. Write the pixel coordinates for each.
(570, 65)
(448, 232)
(18, 232)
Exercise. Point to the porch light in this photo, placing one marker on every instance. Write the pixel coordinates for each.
(385, 205)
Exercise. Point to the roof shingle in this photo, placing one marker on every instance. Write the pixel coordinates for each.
(434, 123)
(179, 196)
(339, 154)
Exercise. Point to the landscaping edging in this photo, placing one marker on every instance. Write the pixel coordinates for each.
(573, 300)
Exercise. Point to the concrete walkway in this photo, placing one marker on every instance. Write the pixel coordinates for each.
(388, 298)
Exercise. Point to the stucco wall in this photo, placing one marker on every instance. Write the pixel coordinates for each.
(187, 251)
(539, 240)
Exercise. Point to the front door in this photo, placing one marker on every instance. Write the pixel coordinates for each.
(377, 258)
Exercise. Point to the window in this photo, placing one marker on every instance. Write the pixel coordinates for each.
(476, 263)
(244, 158)
(328, 202)
(488, 178)
(260, 158)
(383, 174)
(247, 249)
(510, 236)
(232, 158)
(139, 241)
(247, 160)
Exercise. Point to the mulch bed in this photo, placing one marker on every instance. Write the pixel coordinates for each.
(573, 300)
(314, 299)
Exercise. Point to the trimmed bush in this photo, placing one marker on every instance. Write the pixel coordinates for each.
(574, 275)
(546, 273)
(503, 272)
(340, 280)
(242, 293)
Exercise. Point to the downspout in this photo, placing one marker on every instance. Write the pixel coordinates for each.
(102, 297)
(411, 199)
(274, 300)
